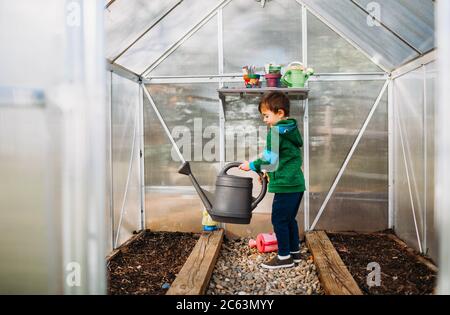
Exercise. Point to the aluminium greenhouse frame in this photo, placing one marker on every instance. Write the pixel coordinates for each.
(221, 78)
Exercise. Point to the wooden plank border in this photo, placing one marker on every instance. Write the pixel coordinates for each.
(195, 274)
(125, 244)
(333, 274)
(412, 252)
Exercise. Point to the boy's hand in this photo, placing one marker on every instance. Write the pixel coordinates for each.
(264, 175)
(245, 166)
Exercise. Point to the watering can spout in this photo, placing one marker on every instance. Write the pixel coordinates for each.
(185, 169)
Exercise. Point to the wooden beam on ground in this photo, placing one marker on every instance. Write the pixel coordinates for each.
(126, 243)
(333, 274)
(194, 277)
(412, 252)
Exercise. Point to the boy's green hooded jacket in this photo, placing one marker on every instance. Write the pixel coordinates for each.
(283, 165)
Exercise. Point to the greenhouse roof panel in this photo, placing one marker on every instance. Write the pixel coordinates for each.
(382, 46)
(412, 20)
(126, 21)
(167, 33)
(142, 33)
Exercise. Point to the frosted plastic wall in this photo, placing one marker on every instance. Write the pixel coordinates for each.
(108, 180)
(43, 35)
(29, 222)
(125, 150)
(337, 111)
(414, 154)
(408, 99)
(27, 254)
(51, 147)
(262, 35)
(431, 235)
(191, 114)
(203, 58)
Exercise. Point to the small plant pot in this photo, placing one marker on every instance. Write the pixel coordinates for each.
(273, 79)
(253, 81)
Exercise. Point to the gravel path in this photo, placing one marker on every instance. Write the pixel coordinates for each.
(238, 272)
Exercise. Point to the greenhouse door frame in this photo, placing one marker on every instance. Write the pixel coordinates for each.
(139, 134)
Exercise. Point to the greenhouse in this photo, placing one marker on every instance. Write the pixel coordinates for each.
(118, 117)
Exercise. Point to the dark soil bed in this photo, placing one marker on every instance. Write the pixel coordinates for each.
(150, 263)
(401, 271)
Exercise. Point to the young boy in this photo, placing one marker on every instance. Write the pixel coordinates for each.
(282, 161)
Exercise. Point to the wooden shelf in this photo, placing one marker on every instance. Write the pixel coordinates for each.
(301, 92)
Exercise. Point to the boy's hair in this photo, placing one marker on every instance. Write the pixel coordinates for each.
(275, 101)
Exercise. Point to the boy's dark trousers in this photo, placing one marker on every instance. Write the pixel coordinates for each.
(284, 210)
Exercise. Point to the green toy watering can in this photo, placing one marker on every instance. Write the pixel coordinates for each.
(296, 75)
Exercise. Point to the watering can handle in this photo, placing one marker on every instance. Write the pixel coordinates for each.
(261, 175)
(294, 62)
(285, 78)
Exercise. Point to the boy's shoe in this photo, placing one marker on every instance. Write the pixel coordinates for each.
(276, 263)
(296, 257)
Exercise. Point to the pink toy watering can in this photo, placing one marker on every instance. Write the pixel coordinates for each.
(265, 242)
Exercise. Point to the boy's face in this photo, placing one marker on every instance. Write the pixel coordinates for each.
(271, 118)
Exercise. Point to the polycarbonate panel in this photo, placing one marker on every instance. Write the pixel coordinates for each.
(108, 173)
(329, 52)
(166, 33)
(176, 209)
(337, 110)
(360, 201)
(51, 147)
(26, 220)
(202, 51)
(245, 132)
(430, 231)
(381, 45)
(26, 32)
(253, 35)
(413, 20)
(125, 21)
(32, 65)
(409, 127)
(125, 128)
(191, 112)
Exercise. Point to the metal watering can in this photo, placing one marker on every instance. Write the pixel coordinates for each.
(233, 201)
(295, 76)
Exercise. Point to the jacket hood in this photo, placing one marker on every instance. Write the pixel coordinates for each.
(287, 129)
